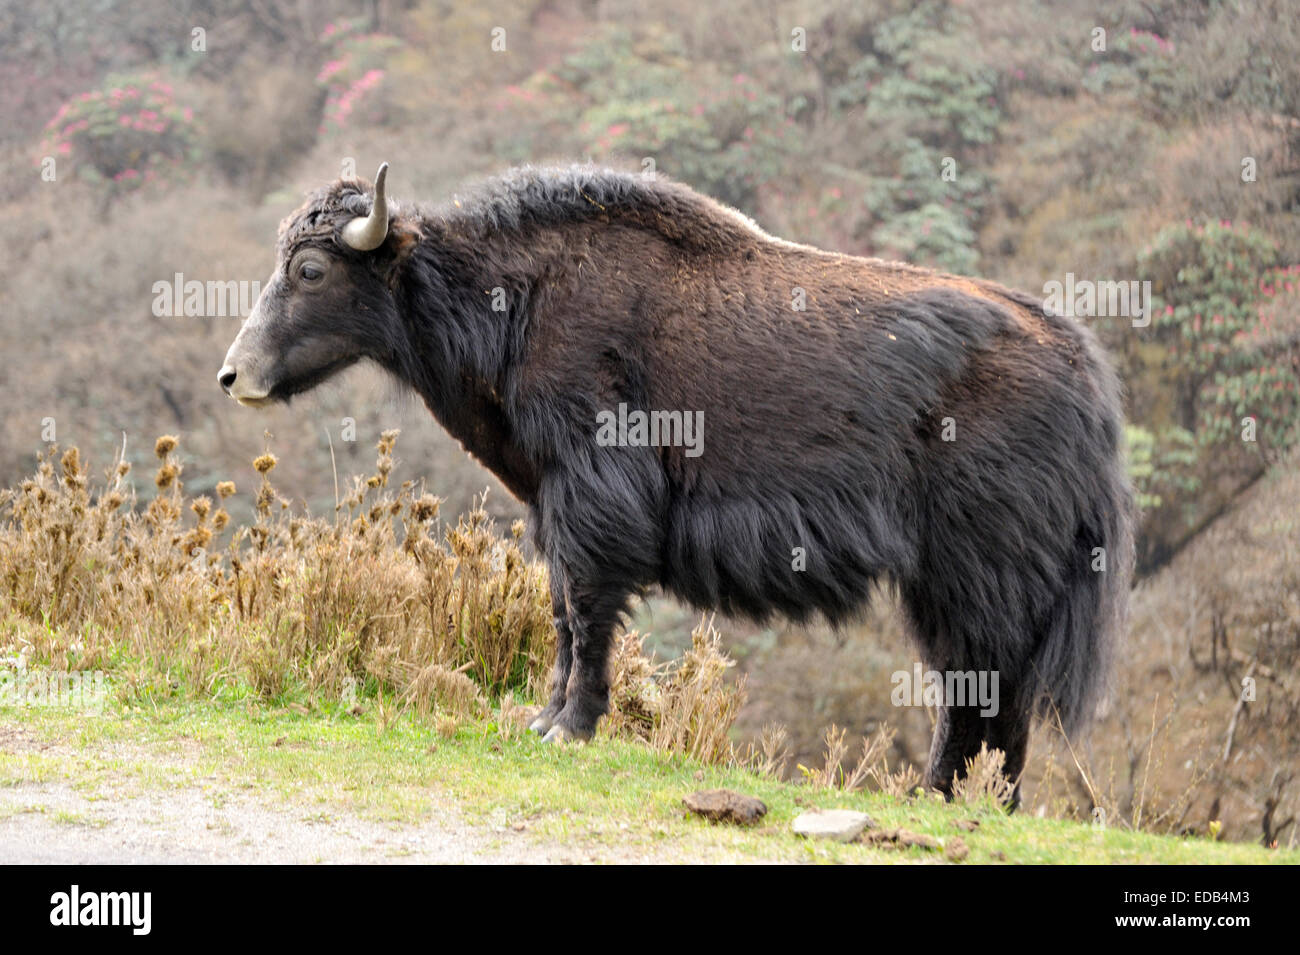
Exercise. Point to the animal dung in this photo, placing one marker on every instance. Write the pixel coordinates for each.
(724, 805)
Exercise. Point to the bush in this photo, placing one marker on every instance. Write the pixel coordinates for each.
(128, 133)
(1228, 317)
(354, 70)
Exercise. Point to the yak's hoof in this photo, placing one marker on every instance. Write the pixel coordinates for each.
(540, 725)
(557, 734)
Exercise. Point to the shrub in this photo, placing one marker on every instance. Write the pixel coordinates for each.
(1219, 299)
(128, 133)
(354, 70)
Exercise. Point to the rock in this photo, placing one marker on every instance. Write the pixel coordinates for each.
(723, 805)
(901, 838)
(842, 825)
(956, 850)
(967, 825)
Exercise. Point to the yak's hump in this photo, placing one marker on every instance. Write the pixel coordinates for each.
(530, 197)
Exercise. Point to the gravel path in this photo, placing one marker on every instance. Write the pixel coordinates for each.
(43, 823)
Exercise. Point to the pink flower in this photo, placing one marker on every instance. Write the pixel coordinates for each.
(328, 70)
(124, 120)
(64, 148)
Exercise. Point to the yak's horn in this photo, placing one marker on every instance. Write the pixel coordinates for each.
(370, 232)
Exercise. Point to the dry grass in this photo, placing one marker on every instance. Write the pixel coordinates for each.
(382, 593)
(872, 765)
(685, 706)
(984, 780)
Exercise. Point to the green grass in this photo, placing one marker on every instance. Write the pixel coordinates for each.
(611, 793)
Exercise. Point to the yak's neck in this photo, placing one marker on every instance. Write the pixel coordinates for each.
(464, 306)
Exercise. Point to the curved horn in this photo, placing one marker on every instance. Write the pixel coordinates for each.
(369, 233)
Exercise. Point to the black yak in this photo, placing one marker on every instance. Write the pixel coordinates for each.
(862, 421)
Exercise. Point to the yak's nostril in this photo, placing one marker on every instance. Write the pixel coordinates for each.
(227, 378)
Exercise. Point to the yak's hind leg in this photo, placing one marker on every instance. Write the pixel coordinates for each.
(976, 645)
(959, 734)
(563, 655)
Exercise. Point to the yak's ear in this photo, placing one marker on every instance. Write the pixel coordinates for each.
(404, 234)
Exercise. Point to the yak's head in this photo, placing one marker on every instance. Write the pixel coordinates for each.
(329, 303)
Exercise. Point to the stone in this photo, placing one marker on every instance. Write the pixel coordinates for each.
(842, 825)
(723, 805)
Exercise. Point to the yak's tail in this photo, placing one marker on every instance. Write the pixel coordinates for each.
(1075, 656)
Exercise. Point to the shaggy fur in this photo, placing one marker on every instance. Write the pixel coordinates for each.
(824, 429)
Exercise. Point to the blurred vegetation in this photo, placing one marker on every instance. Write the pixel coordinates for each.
(1019, 140)
(126, 132)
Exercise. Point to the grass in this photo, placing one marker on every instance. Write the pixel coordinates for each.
(612, 796)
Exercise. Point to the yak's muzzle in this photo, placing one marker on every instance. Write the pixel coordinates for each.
(242, 375)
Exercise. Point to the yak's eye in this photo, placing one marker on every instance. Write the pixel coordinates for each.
(311, 272)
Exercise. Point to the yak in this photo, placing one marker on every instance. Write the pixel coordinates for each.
(861, 423)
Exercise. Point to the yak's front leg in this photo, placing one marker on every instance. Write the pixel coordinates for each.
(594, 612)
(563, 655)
